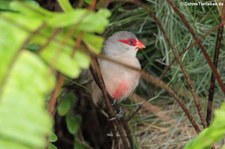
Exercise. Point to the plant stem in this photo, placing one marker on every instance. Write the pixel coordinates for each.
(215, 62)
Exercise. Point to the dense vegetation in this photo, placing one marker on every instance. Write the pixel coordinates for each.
(45, 45)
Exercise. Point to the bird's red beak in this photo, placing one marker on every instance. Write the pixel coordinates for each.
(139, 45)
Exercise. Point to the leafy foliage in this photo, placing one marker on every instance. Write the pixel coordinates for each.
(26, 78)
(25, 122)
(66, 104)
(212, 134)
(35, 43)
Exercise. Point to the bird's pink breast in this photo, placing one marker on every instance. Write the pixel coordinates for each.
(121, 90)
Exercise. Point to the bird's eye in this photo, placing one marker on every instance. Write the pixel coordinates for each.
(131, 42)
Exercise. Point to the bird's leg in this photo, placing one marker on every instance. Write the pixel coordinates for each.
(120, 113)
(114, 102)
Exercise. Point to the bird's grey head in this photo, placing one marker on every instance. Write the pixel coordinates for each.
(122, 43)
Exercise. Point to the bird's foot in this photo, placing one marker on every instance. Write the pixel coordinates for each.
(119, 115)
(114, 102)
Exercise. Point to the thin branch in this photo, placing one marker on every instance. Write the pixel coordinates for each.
(190, 46)
(186, 75)
(174, 60)
(54, 96)
(215, 62)
(159, 83)
(212, 81)
(199, 42)
(153, 109)
(98, 78)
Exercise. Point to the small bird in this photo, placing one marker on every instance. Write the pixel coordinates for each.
(119, 80)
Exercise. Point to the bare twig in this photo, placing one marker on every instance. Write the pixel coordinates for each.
(174, 60)
(182, 66)
(215, 62)
(154, 109)
(199, 42)
(186, 75)
(159, 83)
(54, 96)
(190, 46)
(98, 78)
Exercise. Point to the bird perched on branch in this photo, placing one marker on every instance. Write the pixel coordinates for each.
(120, 81)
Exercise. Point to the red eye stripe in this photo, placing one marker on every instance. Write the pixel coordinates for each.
(129, 41)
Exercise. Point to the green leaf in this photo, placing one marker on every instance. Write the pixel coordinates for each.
(66, 104)
(93, 42)
(70, 18)
(7, 144)
(53, 137)
(65, 5)
(26, 80)
(33, 47)
(73, 123)
(8, 34)
(60, 57)
(223, 147)
(82, 59)
(83, 20)
(4, 5)
(58, 53)
(88, 1)
(104, 12)
(79, 145)
(23, 117)
(51, 146)
(212, 134)
(31, 10)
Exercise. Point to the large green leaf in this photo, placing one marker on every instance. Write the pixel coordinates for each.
(59, 51)
(88, 1)
(93, 42)
(31, 10)
(60, 57)
(51, 146)
(65, 5)
(26, 79)
(23, 118)
(4, 5)
(82, 19)
(12, 37)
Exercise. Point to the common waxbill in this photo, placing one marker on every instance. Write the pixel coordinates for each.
(119, 80)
